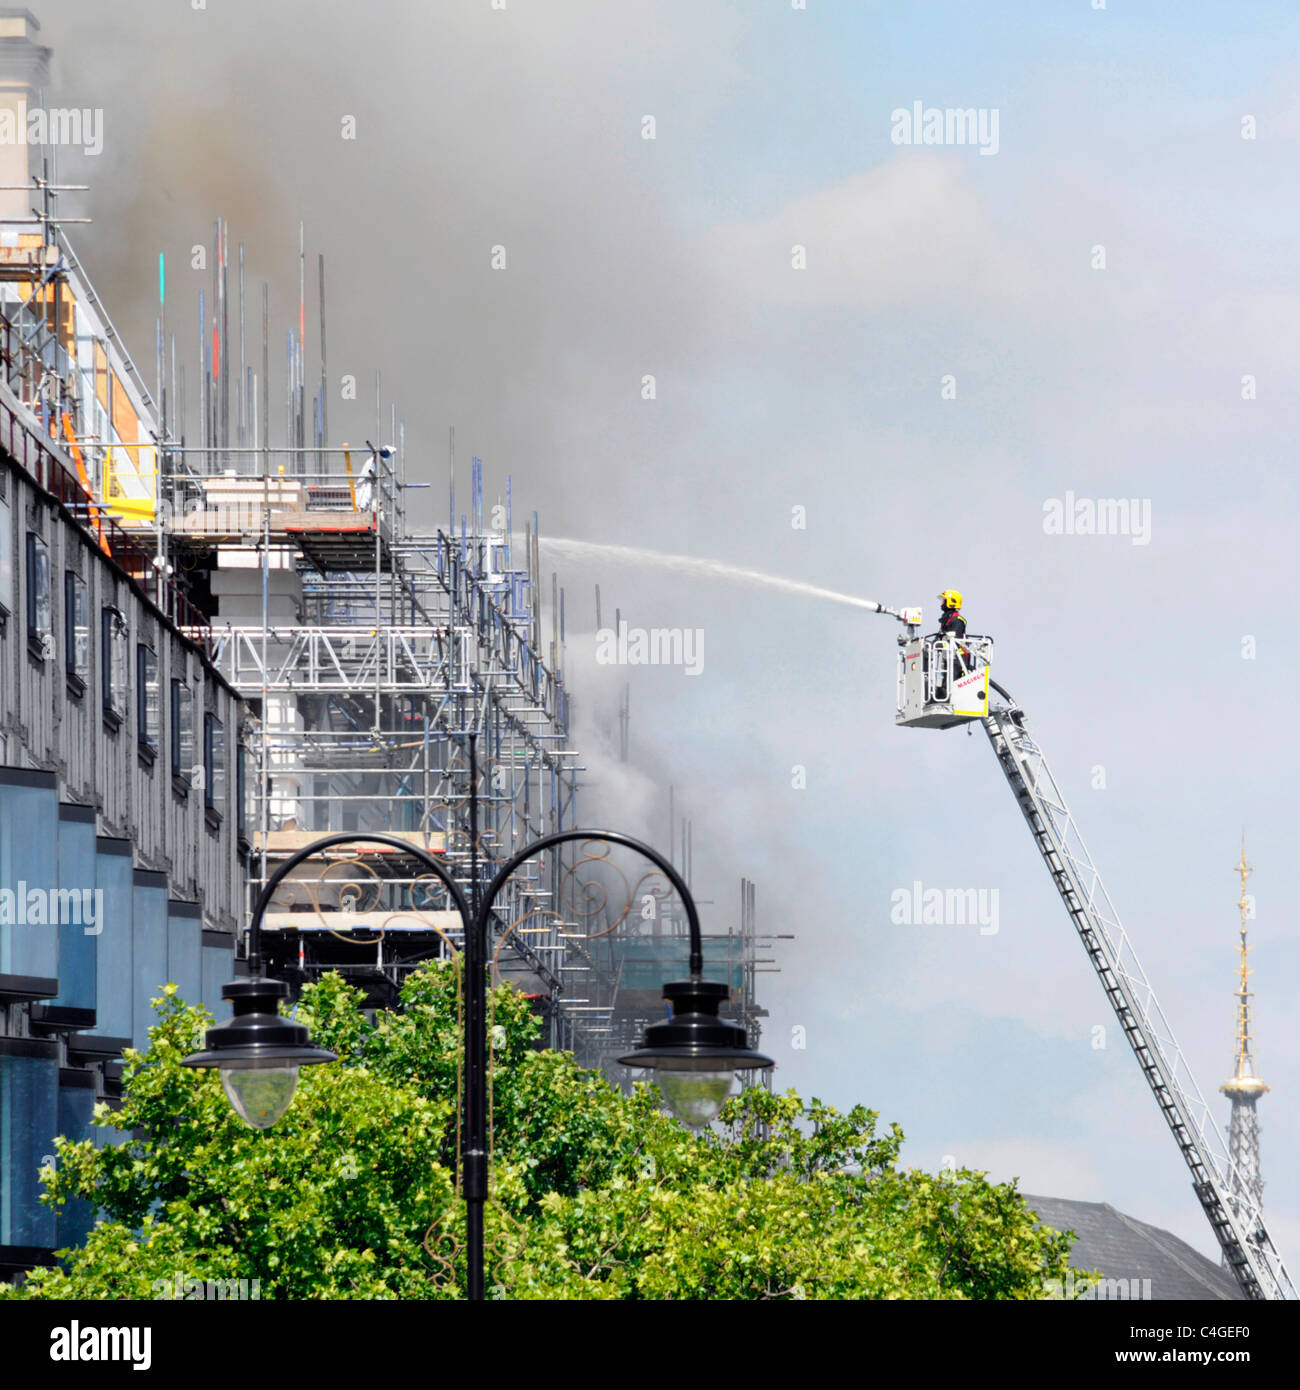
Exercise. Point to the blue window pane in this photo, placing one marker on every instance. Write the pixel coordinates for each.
(76, 1105)
(29, 940)
(149, 952)
(185, 951)
(113, 972)
(218, 970)
(29, 1084)
(79, 941)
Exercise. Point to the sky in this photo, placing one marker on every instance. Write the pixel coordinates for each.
(1103, 304)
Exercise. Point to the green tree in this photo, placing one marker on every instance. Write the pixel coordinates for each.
(595, 1194)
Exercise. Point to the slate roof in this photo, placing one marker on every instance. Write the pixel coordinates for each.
(1123, 1248)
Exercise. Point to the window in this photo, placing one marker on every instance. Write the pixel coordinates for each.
(40, 605)
(29, 1083)
(243, 789)
(6, 561)
(214, 763)
(114, 647)
(76, 628)
(182, 730)
(106, 658)
(146, 696)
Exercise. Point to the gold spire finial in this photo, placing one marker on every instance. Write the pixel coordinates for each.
(1244, 1082)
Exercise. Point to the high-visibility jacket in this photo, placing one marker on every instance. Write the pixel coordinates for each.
(951, 623)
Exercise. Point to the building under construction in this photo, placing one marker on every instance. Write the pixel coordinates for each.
(367, 653)
(287, 652)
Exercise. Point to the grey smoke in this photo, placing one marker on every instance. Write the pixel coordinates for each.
(821, 389)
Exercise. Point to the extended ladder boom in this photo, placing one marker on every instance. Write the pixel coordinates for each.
(1237, 1222)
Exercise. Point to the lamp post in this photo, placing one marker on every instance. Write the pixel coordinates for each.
(694, 1053)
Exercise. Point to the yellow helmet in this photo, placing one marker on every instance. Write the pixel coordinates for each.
(951, 598)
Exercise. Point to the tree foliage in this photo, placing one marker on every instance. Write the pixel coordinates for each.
(596, 1195)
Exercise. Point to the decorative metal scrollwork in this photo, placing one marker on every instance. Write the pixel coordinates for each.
(584, 890)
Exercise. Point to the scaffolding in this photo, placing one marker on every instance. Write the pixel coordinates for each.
(361, 703)
(367, 656)
(625, 956)
(367, 653)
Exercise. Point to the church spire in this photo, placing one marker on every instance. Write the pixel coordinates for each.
(1245, 1086)
(1244, 1081)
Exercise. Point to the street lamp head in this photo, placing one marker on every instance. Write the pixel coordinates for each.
(695, 1097)
(695, 1054)
(257, 1051)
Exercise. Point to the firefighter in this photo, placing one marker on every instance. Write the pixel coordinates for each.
(952, 624)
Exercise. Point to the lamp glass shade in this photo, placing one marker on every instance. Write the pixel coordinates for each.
(260, 1095)
(695, 1097)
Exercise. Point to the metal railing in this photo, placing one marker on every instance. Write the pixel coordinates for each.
(945, 660)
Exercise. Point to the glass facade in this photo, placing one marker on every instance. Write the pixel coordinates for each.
(218, 970)
(29, 811)
(114, 976)
(75, 911)
(29, 1081)
(76, 1216)
(149, 950)
(185, 950)
(110, 958)
(78, 940)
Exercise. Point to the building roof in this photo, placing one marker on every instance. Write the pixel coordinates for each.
(1121, 1247)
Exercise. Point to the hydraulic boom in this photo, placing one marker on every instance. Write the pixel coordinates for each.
(1236, 1220)
(943, 682)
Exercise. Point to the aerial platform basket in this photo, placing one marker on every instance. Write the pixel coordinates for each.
(943, 681)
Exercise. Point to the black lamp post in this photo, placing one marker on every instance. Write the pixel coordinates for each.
(695, 1054)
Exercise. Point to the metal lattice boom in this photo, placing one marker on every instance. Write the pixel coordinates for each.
(1237, 1221)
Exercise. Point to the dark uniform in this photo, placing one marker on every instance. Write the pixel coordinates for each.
(952, 624)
